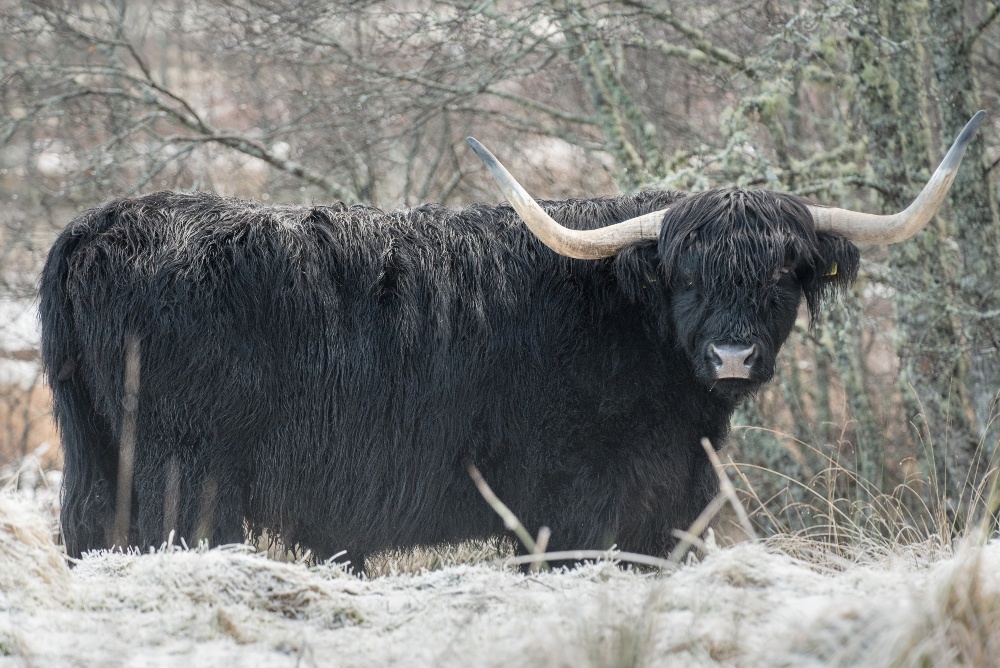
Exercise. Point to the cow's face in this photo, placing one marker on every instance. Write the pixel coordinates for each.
(732, 333)
(738, 264)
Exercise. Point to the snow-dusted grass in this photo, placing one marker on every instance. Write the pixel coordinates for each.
(752, 604)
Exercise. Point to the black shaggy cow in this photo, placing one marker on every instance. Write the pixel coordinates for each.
(326, 374)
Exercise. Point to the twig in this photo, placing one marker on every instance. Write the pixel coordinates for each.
(509, 518)
(689, 538)
(719, 54)
(992, 14)
(728, 489)
(992, 166)
(608, 555)
(239, 142)
(541, 544)
(485, 88)
(534, 546)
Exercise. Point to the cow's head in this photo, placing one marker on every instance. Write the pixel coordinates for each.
(737, 263)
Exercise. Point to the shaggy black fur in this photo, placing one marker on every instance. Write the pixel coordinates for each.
(325, 374)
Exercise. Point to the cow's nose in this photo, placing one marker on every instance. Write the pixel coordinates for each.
(732, 361)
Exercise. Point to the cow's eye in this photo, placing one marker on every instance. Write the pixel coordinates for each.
(686, 278)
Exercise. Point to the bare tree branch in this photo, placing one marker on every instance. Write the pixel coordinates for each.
(992, 13)
(718, 54)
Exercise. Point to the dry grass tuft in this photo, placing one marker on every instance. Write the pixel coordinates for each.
(957, 622)
(417, 559)
(848, 519)
(628, 642)
(32, 565)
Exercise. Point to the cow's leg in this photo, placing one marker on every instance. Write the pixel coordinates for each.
(656, 507)
(355, 562)
(184, 494)
(581, 515)
(636, 507)
(221, 510)
(87, 514)
(172, 493)
(150, 470)
(90, 469)
(227, 513)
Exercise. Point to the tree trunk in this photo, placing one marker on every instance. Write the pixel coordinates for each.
(976, 225)
(886, 65)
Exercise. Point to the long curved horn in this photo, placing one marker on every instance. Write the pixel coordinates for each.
(579, 244)
(873, 229)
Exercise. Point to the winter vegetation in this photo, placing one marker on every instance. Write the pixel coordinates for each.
(866, 470)
(785, 601)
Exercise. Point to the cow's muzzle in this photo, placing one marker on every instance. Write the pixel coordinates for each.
(730, 361)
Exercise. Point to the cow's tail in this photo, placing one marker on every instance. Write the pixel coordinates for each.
(90, 450)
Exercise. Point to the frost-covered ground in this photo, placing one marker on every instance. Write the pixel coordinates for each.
(748, 605)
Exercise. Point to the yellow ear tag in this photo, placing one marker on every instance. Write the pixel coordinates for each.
(833, 270)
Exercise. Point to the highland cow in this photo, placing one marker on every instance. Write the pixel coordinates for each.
(325, 374)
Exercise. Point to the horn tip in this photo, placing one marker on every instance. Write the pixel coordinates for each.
(480, 150)
(954, 156)
(483, 153)
(970, 128)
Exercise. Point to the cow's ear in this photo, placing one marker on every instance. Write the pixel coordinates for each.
(835, 266)
(637, 272)
(837, 261)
